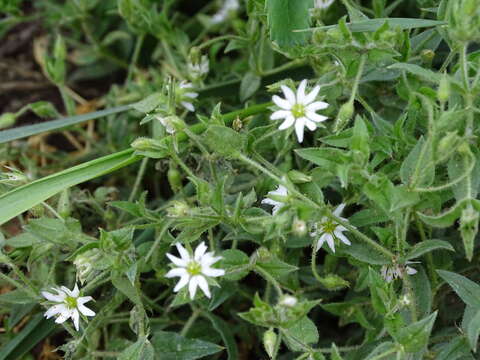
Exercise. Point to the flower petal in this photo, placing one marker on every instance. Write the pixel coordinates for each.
(192, 286)
(188, 106)
(177, 272)
(410, 270)
(338, 210)
(211, 272)
(54, 310)
(84, 299)
(191, 95)
(301, 91)
(310, 125)
(85, 311)
(320, 241)
(200, 251)
(317, 105)
(280, 114)
(299, 128)
(330, 241)
(64, 316)
(183, 252)
(289, 95)
(281, 103)
(342, 238)
(76, 319)
(289, 121)
(202, 283)
(181, 283)
(312, 95)
(315, 117)
(52, 297)
(75, 291)
(177, 261)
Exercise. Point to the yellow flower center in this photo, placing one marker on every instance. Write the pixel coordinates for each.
(71, 302)
(298, 110)
(194, 268)
(329, 227)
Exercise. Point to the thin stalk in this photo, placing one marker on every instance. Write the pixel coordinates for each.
(136, 53)
(136, 185)
(269, 278)
(191, 320)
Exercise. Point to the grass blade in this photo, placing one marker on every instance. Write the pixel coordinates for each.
(29, 130)
(21, 199)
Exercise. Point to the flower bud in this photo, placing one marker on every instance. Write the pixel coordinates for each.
(269, 342)
(174, 178)
(469, 229)
(344, 115)
(178, 209)
(288, 301)
(299, 227)
(427, 56)
(143, 144)
(447, 144)
(297, 177)
(63, 206)
(37, 211)
(443, 92)
(7, 120)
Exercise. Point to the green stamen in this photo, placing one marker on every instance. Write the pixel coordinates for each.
(71, 302)
(298, 110)
(194, 268)
(329, 227)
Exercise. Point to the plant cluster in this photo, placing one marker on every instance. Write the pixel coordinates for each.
(258, 179)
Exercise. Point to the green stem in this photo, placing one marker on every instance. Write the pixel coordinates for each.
(313, 264)
(411, 297)
(337, 219)
(157, 240)
(191, 320)
(136, 53)
(430, 265)
(269, 278)
(361, 66)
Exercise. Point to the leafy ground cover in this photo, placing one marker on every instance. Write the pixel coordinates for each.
(258, 179)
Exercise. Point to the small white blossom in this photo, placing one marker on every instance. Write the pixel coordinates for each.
(222, 15)
(329, 230)
(68, 305)
(394, 271)
(198, 70)
(323, 4)
(288, 301)
(167, 123)
(186, 95)
(299, 110)
(277, 205)
(194, 270)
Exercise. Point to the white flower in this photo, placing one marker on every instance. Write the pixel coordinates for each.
(329, 230)
(167, 123)
(394, 271)
(68, 305)
(323, 4)
(299, 110)
(198, 70)
(277, 205)
(194, 270)
(185, 95)
(228, 7)
(288, 301)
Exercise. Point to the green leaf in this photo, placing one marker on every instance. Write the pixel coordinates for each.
(326, 158)
(422, 291)
(366, 254)
(24, 131)
(456, 348)
(235, 263)
(468, 291)
(125, 287)
(380, 349)
(17, 296)
(458, 166)
(425, 74)
(286, 16)
(303, 330)
(427, 246)
(25, 197)
(140, 350)
(418, 167)
(414, 337)
(33, 333)
(148, 104)
(224, 141)
(273, 265)
(249, 85)
(375, 24)
(445, 219)
(225, 332)
(360, 138)
(473, 331)
(171, 346)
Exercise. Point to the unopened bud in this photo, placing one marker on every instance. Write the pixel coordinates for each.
(269, 342)
(447, 144)
(174, 178)
(299, 227)
(443, 92)
(143, 144)
(469, 229)
(63, 206)
(7, 120)
(288, 301)
(37, 211)
(178, 209)
(427, 56)
(344, 115)
(297, 177)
